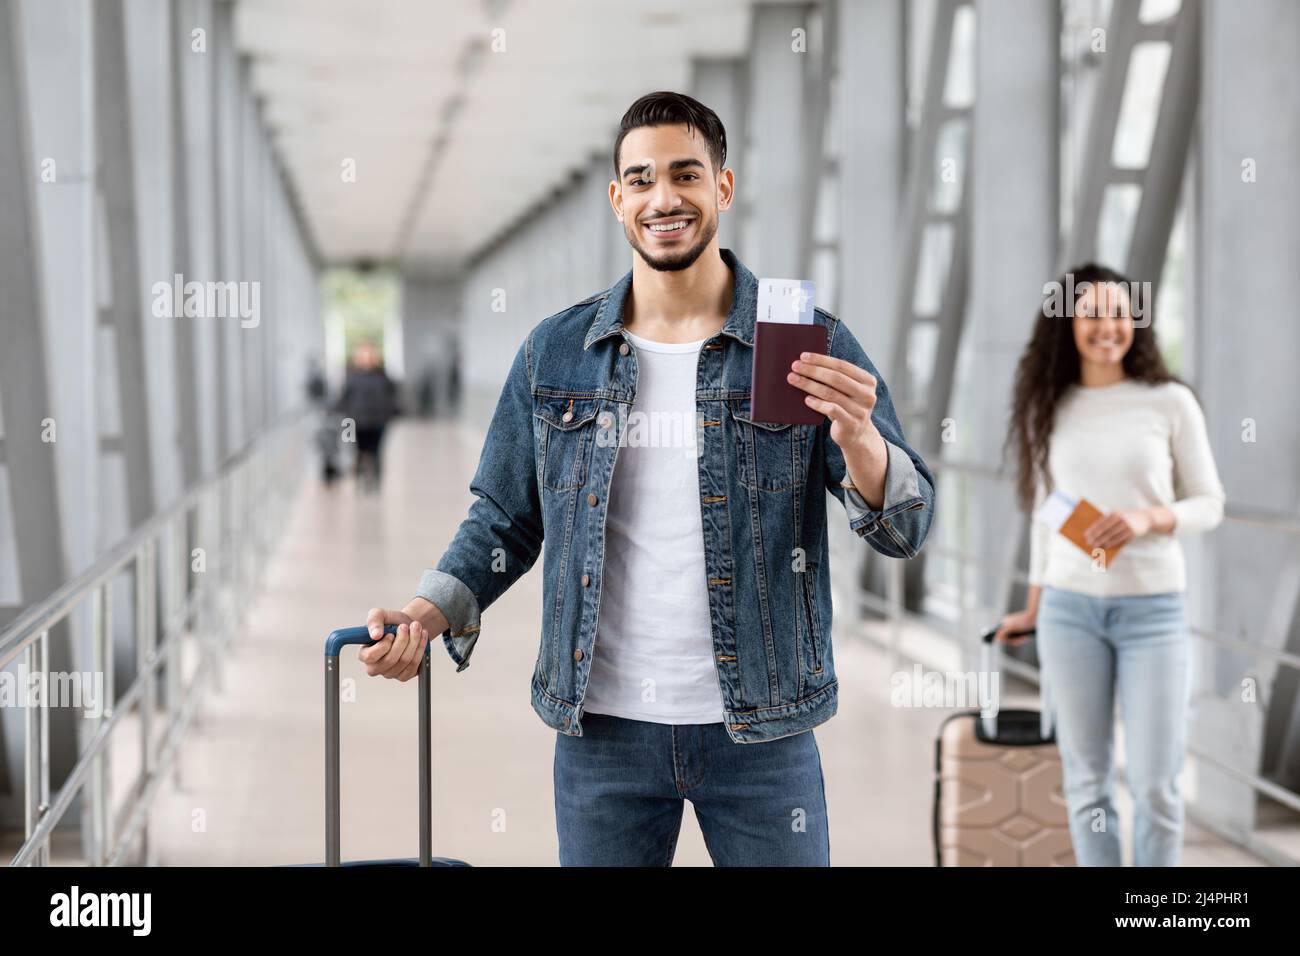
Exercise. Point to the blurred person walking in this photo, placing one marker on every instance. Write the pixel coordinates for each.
(369, 399)
(326, 432)
(1097, 415)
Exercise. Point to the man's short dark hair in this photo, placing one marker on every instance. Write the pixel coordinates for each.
(667, 108)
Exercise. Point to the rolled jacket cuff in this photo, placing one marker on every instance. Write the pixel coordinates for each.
(902, 490)
(459, 605)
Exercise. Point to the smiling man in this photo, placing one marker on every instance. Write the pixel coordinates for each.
(686, 621)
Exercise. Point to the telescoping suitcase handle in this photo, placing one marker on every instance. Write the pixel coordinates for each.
(989, 654)
(333, 644)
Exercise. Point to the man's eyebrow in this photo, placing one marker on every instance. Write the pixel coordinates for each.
(675, 165)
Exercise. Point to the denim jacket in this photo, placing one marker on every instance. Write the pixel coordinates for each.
(543, 482)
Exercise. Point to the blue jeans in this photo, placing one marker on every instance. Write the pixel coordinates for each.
(619, 790)
(1136, 647)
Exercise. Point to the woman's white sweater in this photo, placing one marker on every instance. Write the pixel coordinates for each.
(1122, 447)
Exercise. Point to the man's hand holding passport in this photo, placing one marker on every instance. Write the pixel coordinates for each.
(794, 381)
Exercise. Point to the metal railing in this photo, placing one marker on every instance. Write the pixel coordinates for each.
(891, 607)
(235, 516)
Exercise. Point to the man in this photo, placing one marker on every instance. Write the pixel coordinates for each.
(686, 593)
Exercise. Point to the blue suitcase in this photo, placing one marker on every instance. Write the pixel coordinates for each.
(333, 644)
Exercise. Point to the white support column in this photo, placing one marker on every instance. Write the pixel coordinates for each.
(772, 193)
(226, 136)
(720, 85)
(47, 193)
(871, 128)
(430, 327)
(198, 76)
(178, 21)
(1249, 242)
(122, 323)
(1014, 185)
(148, 41)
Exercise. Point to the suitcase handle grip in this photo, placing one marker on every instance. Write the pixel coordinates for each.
(351, 635)
(989, 651)
(992, 633)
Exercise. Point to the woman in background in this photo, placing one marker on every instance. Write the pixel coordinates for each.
(1097, 415)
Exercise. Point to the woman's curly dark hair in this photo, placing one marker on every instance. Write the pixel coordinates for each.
(1050, 366)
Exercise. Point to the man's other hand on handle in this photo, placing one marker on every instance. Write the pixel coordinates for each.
(397, 656)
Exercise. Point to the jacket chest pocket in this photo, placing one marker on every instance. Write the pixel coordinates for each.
(564, 427)
(767, 453)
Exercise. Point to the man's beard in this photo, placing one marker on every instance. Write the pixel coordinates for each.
(676, 261)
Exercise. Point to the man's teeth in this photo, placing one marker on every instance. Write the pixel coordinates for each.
(671, 227)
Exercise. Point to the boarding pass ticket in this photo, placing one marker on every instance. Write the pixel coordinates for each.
(785, 300)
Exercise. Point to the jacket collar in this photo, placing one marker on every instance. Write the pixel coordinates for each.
(740, 320)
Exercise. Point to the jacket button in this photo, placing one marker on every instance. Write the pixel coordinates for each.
(604, 421)
(567, 417)
(623, 349)
(586, 580)
(591, 500)
(567, 721)
(577, 655)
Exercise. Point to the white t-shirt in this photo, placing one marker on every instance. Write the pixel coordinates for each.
(654, 646)
(1126, 446)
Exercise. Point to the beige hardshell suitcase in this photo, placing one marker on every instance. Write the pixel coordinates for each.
(998, 797)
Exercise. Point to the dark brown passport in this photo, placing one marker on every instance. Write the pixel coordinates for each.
(776, 346)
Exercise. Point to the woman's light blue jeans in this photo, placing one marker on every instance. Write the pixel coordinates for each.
(619, 790)
(1136, 647)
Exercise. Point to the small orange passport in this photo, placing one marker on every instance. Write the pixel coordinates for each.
(1072, 517)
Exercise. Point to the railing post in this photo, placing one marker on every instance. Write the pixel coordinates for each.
(221, 581)
(247, 534)
(247, 541)
(177, 577)
(37, 721)
(963, 590)
(211, 587)
(146, 645)
(262, 497)
(257, 495)
(102, 653)
(238, 543)
(234, 545)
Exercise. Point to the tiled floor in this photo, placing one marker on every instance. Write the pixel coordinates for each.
(252, 771)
